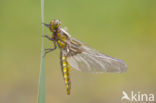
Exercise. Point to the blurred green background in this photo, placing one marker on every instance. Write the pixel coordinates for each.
(124, 29)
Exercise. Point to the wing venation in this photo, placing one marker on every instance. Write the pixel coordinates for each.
(86, 59)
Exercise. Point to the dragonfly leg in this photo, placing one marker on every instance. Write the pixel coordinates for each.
(50, 49)
(46, 36)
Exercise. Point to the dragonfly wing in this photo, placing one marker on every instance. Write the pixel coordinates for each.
(83, 58)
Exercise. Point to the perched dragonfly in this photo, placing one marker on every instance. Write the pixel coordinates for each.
(75, 54)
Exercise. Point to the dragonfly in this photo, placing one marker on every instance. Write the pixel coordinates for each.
(75, 54)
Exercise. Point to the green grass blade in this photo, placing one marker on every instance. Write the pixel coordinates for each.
(41, 93)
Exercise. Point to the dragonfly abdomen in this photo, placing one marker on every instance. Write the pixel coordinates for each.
(66, 73)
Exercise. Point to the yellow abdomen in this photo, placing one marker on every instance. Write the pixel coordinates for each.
(66, 74)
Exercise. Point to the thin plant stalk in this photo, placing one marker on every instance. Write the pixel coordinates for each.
(41, 90)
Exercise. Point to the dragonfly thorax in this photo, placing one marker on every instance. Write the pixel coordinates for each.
(61, 39)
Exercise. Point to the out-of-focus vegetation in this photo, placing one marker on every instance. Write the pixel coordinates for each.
(124, 29)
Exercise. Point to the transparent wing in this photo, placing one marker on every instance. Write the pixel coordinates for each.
(83, 58)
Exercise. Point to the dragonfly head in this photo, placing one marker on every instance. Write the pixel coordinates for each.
(54, 24)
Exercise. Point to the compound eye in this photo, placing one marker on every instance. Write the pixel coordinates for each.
(52, 22)
(58, 23)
